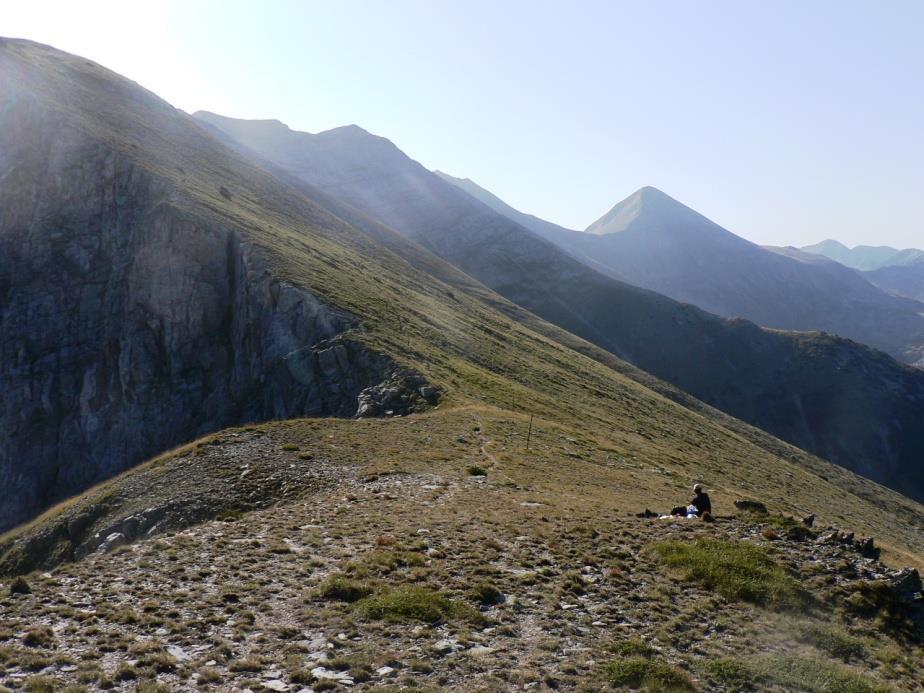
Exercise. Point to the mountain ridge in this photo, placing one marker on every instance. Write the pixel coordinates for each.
(299, 243)
(732, 365)
(687, 257)
(865, 258)
(497, 536)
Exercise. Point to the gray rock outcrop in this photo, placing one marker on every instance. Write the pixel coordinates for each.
(129, 324)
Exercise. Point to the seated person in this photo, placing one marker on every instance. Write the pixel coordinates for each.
(700, 501)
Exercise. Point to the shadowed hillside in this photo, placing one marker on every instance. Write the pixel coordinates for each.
(796, 386)
(651, 240)
(899, 272)
(903, 280)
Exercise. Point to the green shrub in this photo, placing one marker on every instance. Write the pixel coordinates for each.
(160, 662)
(636, 672)
(411, 559)
(20, 586)
(344, 589)
(39, 636)
(486, 593)
(125, 672)
(414, 604)
(736, 570)
(813, 676)
(209, 676)
(249, 664)
(733, 673)
(387, 561)
(300, 676)
(574, 583)
(834, 641)
(475, 470)
(152, 687)
(40, 684)
(421, 666)
(634, 647)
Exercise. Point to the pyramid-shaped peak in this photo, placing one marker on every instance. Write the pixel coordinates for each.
(648, 206)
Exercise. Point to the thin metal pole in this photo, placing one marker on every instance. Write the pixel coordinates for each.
(529, 433)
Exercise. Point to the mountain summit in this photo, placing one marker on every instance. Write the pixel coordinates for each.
(647, 208)
(653, 241)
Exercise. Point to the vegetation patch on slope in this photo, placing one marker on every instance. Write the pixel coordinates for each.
(813, 676)
(736, 570)
(636, 672)
(411, 603)
(387, 564)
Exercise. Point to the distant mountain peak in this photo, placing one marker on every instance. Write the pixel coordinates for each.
(260, 123)
(351, 129)
(832, 243)
(865, 258)
(273, 126)
(648, 206)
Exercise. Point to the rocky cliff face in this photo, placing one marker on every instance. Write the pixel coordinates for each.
(128, 326)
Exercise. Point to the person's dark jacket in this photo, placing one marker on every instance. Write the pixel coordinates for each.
(702, 503)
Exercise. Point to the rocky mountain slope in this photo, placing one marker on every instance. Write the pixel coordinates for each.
(651, 240)
(447, 557)
(865, 257)
(133, 315)
(904, 280)
(821, 393)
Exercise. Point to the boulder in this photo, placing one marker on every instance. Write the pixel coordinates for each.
(906, 582)
(430, 394)
(401, 394)
(112, 542)
(867, 548)
(751, 506)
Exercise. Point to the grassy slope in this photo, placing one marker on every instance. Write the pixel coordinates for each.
(474, 352)
(836, 398)
(583, 583)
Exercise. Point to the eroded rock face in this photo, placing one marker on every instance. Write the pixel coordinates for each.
(128, 325)
(403, 392)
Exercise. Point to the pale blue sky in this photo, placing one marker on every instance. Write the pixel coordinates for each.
(787, 122)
